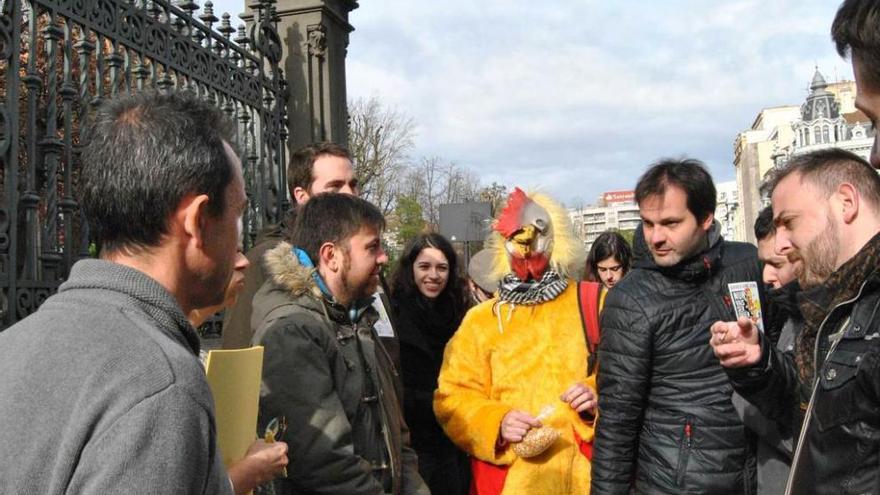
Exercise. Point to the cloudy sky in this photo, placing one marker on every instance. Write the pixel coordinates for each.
(578, 96)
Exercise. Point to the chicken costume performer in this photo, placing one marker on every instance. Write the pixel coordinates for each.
(521, 351)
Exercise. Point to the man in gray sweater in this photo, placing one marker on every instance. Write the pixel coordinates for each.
(100, 389)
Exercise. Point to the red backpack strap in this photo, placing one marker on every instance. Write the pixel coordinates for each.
(588, 303)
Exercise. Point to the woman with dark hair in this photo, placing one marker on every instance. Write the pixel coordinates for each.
(609, 259)
(428, 303)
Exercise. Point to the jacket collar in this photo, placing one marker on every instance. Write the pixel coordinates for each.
(286, 272)
(292, 274)
(696, 268)
(785, 298)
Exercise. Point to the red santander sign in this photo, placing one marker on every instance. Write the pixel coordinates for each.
(619, 197)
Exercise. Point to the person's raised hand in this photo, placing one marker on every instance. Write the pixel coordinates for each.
(736, 343)
(261, 464)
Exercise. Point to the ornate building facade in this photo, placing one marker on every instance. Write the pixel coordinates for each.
(826, 122)
(827, 118)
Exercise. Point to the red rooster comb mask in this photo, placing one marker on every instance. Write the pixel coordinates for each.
(527, 230)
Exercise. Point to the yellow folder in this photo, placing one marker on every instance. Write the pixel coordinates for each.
(234, 377)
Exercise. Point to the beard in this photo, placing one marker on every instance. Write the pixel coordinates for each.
(818, 258)
(357, 287)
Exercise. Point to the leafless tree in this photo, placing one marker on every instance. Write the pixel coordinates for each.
(462, 184)
(433, 182)
(380, 139)
(496, 195)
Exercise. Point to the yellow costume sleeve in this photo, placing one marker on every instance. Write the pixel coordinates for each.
(463, 403)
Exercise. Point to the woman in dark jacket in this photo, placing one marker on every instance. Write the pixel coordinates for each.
(428, 303)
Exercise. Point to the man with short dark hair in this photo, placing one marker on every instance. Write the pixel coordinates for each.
(106, 371)
(826, 207)
(324, 370)
(855, 33)
(780, 278)
(774, 438)
(666, 422)
(312, 169)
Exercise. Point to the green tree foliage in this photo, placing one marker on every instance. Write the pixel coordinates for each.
(628, 235)
(410, 221)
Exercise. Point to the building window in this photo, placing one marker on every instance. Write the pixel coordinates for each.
(817, 134)
(825, 132)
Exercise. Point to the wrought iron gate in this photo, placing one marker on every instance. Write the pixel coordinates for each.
(59, 59)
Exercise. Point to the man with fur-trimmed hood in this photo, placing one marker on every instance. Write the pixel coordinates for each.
(324, 370)
(518, 363)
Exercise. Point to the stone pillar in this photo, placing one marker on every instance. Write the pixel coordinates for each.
(314, 34)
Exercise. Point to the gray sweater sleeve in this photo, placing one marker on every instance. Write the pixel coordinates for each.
(164, 444)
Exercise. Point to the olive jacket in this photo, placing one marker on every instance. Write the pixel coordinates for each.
(336, 386)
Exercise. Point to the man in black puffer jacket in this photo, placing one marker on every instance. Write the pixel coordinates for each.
(666, 421)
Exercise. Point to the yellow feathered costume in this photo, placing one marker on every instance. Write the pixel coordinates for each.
(508, 356)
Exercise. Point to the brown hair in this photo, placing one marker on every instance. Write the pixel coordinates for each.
(827, 169)
(300, 168)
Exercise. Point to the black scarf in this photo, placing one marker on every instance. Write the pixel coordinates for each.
(818, 302)
(436, 321)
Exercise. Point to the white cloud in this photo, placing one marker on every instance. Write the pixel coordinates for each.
(580, 95)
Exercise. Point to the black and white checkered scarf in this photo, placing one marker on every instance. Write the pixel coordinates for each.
(513, 290)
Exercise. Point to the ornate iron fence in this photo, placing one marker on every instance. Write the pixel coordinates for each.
(59, 59)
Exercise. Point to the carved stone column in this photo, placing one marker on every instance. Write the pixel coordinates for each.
(314, 34)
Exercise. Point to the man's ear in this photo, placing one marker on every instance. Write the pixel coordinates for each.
(300, 195)
(706, 224)
(849, 200)
(193, 212)
(328, 255)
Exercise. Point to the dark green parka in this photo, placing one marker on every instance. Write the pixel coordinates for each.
(336, 387)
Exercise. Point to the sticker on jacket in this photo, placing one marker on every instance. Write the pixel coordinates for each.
(746, 302)
(383, 324)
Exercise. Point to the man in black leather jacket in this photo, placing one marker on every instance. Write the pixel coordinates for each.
(666, 421)
(826, 207)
